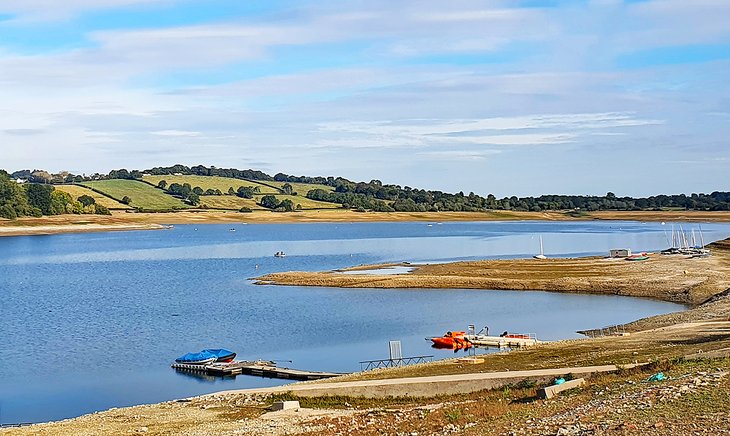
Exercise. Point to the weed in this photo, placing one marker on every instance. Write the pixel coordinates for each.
(453, 415)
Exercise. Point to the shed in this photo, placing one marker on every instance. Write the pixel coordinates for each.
(620, 252)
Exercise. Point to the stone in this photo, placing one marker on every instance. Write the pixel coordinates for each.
(551, 391)
(285, 405)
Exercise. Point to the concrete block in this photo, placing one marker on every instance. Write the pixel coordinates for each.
(285, 405)
(551, 391)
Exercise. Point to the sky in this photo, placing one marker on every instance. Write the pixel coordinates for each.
(510, 97)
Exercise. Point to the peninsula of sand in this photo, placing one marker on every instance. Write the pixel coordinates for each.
(692, 281)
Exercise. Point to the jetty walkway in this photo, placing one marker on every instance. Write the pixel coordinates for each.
(425, 386)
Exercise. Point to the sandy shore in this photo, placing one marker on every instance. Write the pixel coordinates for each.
(137, 221)
(678, 279)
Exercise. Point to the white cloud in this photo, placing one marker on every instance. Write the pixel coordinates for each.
(175, 133)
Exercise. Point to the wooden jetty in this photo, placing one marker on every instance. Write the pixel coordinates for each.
(258, 368)
(517, 341)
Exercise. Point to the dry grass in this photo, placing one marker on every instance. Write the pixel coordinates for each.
(302, 188)
(228, 202)
(77, 191)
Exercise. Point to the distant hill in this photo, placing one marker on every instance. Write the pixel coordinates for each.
(181, 187)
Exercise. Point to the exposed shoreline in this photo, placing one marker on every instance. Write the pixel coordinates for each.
(676, 279)
(142, 221)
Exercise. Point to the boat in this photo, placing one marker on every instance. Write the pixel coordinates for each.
(202, 358)
(515, 335)
(542, 254)
(635, 257)
(279, 254)
(222, 355)
(452, 340)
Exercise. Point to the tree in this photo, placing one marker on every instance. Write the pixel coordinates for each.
(287, 189)
(269, 202)
(198, 190)
(39, 196)
(7, 212)
(231, 191)
(102, 210)
(194, 199)
(126, 199)
(162, 184)
(286, 205)
(245, 192)
(86, 200)
(61, 202)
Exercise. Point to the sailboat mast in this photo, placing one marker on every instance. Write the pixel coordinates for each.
(702, 239)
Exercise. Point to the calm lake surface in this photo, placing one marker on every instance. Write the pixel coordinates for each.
(93, 321)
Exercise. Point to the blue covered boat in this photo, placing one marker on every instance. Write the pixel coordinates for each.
(221, 354)
(201, 358)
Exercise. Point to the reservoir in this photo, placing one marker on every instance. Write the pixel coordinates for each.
(92, 321)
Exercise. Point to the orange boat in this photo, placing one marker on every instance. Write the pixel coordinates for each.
(453, 340)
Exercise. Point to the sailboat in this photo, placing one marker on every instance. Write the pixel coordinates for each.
(542, 253)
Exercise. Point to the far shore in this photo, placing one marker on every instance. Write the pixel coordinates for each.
(120, 220)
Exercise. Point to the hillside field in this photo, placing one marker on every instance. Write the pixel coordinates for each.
(210, 182)
(228, 202)
(77, 191)
(302, 188)
(143, 195)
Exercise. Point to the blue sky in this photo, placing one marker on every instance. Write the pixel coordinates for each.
(503, 96)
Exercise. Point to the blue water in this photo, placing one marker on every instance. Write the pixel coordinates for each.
(92, 321)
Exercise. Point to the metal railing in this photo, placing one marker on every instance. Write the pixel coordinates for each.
(367, 365)
(614, 330)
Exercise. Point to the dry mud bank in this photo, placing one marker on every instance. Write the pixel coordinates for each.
(136, 221)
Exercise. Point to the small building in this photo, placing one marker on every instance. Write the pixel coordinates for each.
(620, 252)
(20, 181)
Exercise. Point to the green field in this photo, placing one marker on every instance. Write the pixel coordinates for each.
(77, 191)
(143, 195)
(229, 202)
(302, 188)
(210, 182)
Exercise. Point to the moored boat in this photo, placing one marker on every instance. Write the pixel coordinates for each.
(453, 340)
(202, 358)
(221, 354)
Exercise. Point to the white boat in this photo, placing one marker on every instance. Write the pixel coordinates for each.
(542, 254)
(279, 254)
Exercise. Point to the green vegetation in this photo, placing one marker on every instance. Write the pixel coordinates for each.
(140, 195)
(307, 203)
(33, 199)
(222, 184)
